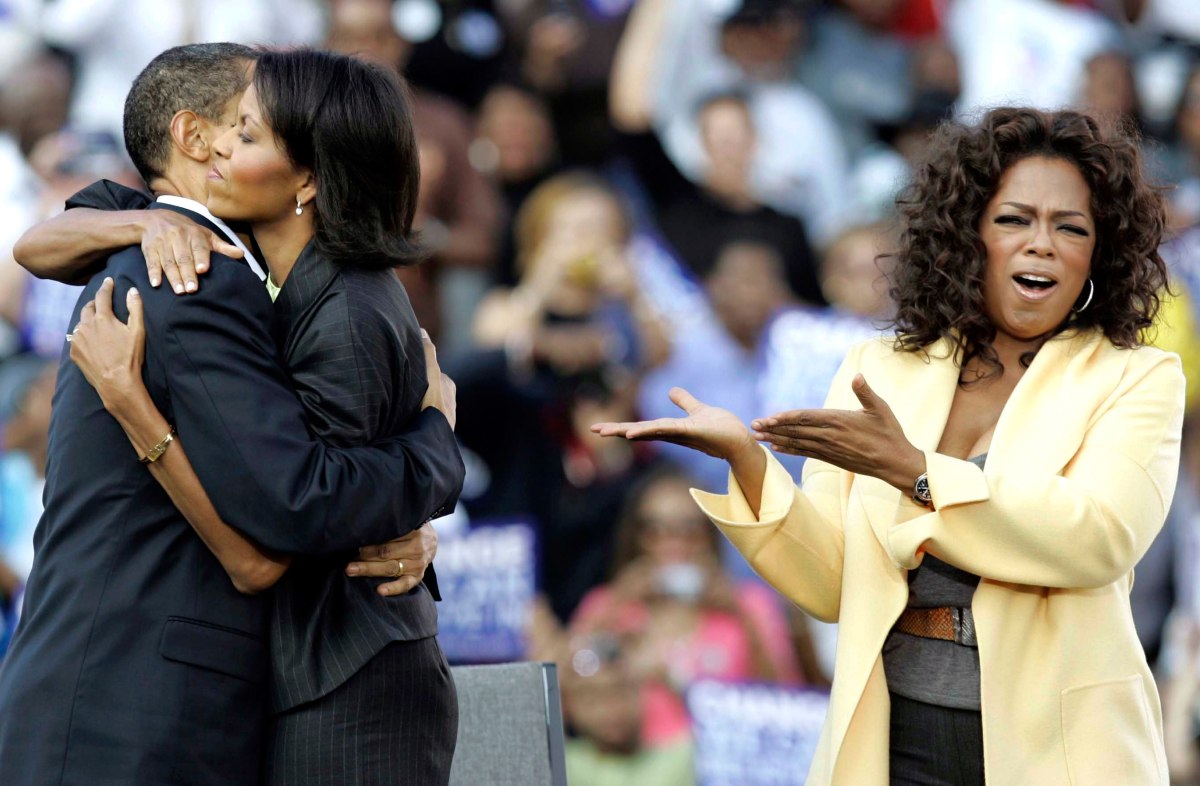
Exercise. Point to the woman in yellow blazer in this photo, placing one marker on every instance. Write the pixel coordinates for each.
(1016, 443)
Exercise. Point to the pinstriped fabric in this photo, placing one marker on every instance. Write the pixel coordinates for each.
(352, 347)
(361, 690)
(394, 721)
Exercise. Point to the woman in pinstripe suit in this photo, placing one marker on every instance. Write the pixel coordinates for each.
(322, 164)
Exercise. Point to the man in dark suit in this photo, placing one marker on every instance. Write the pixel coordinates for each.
(137, 662)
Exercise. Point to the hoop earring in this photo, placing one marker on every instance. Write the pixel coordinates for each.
(299, 209)
(1086, 303)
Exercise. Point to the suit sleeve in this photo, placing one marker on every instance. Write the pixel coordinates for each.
(1085, 528)
(107, 195)
(245, 433)
(796, 542)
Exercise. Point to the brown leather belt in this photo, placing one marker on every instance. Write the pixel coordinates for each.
(947, 623)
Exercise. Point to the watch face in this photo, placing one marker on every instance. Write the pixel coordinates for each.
(921, 491)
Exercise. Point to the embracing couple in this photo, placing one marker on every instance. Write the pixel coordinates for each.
(261, 428)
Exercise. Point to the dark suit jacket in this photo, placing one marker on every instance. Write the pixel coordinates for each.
(352, 346)
(136, 662)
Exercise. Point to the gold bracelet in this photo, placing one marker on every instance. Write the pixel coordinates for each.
(159, 449)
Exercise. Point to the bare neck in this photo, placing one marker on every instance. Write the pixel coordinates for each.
(281, 242)
(186, 179)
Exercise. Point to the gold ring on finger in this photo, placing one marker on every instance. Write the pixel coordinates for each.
(399, 569)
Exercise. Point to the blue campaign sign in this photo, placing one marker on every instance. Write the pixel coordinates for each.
(487, 575)
(754, 735)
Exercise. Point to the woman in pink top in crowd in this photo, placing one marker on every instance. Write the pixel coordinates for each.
(677, 612)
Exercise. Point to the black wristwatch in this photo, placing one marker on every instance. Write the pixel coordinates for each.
(921, 494)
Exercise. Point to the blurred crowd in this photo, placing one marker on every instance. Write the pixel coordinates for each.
(621, 196)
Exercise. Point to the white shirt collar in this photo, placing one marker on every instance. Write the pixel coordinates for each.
(196, 207)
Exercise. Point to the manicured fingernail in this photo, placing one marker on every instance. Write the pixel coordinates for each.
(179, 289)
(155, 281)
(133, 293)
(353, 570)
(191, 286)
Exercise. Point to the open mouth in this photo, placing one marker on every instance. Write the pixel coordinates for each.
(1034, 286)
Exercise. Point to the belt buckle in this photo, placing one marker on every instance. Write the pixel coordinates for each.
(964, 627)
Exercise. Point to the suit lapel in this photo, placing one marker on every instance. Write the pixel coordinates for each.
(1044, 421)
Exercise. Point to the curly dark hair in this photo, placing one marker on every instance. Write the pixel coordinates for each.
(938, 278)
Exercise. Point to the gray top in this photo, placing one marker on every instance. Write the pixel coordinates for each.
(937, 672)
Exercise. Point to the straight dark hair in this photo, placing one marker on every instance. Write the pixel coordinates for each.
(349, 122)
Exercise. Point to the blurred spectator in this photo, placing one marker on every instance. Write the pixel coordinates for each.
(112, 40)
(605, 705)
(1109, 90)
(567, 53)
(883, 167)
(556, 353)
(858, 67)
(577, 304)
(1183, 161)
(695, 50)
(854, 275)
(516, 146)
(746, 288)
(695, 221)
(26, 387)
(33, 104)
(40, 309)
(1025, 52)
(457, 210)
(457, 48)
(1177, 18)
(682, 616)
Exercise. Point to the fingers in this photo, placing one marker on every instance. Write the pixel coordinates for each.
(431, 361)
(104, 298)
(185, 265)
(170, 271)
(684, 400)
(863, 392)
(190, 267)
(400, 586)
(380, 569)
(222, 247)
(794, 445)
(613, 429)
(152, 251)
(88, 314)
(133, 301)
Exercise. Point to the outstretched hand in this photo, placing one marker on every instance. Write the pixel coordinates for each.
(711, 430)
(869, 441)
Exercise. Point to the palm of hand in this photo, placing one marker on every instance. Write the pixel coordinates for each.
(711, 430)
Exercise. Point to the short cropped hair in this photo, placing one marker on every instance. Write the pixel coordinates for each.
(349, 122)
(198, 77)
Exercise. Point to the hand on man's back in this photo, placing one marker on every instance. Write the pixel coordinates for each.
(178, 249)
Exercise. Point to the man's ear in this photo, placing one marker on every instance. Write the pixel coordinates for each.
(187, 136)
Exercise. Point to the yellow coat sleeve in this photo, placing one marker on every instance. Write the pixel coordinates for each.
(795, 542)
(1085, 528)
